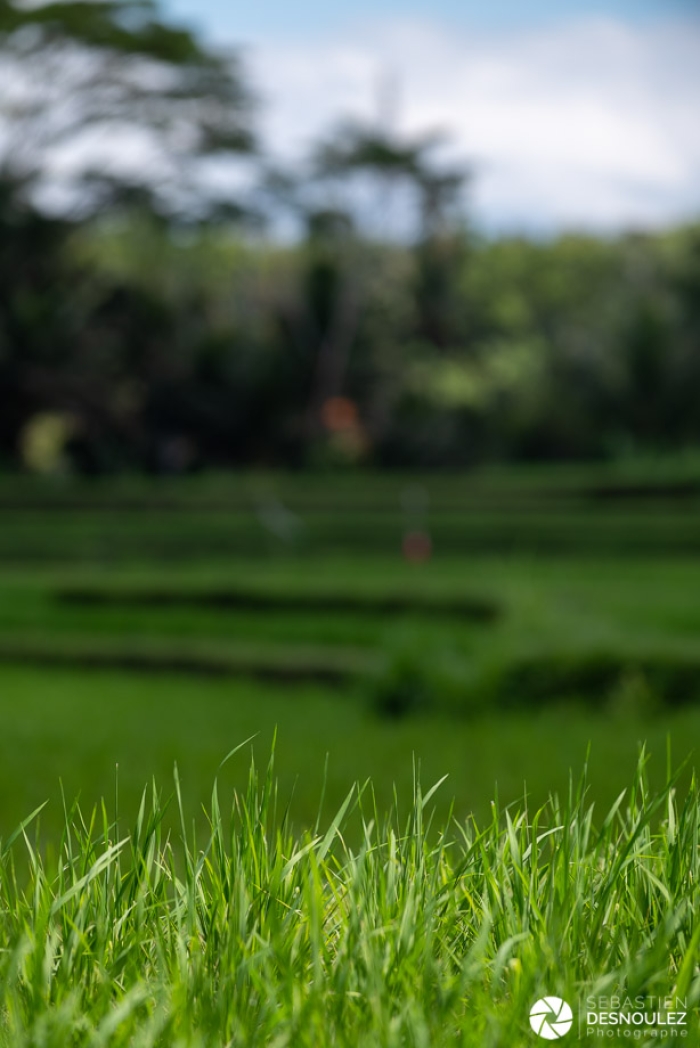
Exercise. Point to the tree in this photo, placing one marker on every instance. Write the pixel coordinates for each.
(340, 285)
(103, 104)
(437, 189)
(393, 160)
(103, 101)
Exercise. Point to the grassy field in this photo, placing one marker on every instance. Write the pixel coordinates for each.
(79, 726)
(148, 624)
(254, 935)
(170, 619)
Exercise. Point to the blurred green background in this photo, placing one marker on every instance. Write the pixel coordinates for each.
(144, 623)
(422, 504)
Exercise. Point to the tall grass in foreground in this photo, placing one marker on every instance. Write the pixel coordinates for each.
(410, 936)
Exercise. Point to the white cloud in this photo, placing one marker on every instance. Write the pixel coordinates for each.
(592, 123)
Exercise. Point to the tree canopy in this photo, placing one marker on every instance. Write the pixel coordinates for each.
(104, 100)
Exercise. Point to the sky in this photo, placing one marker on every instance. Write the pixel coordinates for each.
(569, 114)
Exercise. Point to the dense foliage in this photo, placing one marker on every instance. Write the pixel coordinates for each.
(147, 348)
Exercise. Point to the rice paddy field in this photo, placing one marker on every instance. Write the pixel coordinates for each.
(497, 632)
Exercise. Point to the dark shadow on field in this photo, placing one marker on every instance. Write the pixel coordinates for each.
(462, 607)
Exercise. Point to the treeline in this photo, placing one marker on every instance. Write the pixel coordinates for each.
(149, 320)
(133, 346)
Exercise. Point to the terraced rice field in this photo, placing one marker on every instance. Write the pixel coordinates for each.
(171, 618)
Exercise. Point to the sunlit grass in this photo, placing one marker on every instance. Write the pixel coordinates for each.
(403, 934)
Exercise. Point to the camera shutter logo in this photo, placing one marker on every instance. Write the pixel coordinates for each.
(551, 1018)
